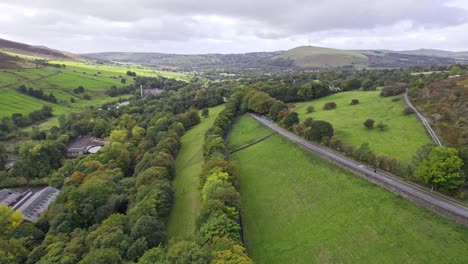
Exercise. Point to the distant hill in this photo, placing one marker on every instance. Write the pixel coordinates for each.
(307, 57)
(247, 61)
(13, 62)
(36, 51)
(437, 53)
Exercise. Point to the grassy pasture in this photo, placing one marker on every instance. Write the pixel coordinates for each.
(402, 138)
(96, 79)
(15, 102)
(299, 208)
(189, 164)
(112, 71)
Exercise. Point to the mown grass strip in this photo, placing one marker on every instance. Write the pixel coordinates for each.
(189, 162)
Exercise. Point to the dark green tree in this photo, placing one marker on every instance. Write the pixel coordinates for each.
(318, 130)
(205, 112)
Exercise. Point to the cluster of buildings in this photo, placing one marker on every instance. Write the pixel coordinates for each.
(30, 204)
(83, 145)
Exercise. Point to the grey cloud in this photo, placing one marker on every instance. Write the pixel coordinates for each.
(292, 17)
(150, 23)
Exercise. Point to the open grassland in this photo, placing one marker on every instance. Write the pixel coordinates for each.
(299, 208)
(189, 164)
(401, 139)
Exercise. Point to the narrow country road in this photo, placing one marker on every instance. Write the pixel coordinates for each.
(429, 130)
(430, 198)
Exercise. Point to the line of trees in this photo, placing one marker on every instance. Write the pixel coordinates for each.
(262, 103)
(39, 94)
(218, 226)
(19, 120)
(115, 91)
(114, 204)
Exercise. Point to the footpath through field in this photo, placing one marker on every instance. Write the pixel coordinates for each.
(189, 162)
(429, 200)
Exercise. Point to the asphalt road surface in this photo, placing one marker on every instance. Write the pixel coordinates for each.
(427, 196)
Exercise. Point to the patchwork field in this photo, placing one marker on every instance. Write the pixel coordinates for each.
(189, 164)
(401, 139)
(96, 79)
(299, 208)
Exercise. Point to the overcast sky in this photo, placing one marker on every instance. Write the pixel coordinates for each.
(235, 26)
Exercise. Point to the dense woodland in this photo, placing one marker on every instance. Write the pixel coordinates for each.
(114, 204)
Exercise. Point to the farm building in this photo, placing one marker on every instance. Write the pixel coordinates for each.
(83, 146)
(30, 204)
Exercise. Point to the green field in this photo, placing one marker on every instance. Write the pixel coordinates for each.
(96, 79)
(309, 56)
(189, 162)
(299, 208)
(403, 137)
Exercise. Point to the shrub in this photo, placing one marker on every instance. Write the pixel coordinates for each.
(309, 109)
(382, 126)
(395, 89)
(369, 123)
(308, 122)
(329, 105)
(408, 111)
(354, 102)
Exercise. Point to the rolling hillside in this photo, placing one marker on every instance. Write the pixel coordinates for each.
(437, 53)
(247, 61)
(309, 56)
(35, 51)
(8, 61)
(297, 58)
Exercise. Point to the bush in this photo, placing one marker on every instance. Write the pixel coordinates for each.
(354, 102)
(309, 109)
(329, 105)
(289, 120)
(79, 89)
(308, 122)
(408, 111)
(369, 123)
(395, 89)
(382, 126)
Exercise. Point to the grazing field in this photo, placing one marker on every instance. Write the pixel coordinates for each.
(16, 102)
(299, 208)
(189, 164)
(96, 80)
(401, 139)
